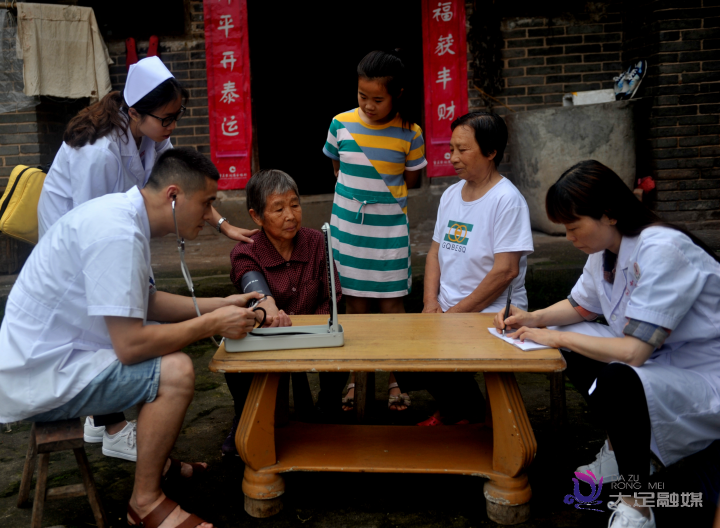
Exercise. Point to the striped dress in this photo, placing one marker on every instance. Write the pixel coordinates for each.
(371, 242)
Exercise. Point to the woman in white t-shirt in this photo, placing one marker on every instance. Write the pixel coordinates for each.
(480, 246)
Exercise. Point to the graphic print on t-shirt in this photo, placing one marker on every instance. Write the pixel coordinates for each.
(457, 236)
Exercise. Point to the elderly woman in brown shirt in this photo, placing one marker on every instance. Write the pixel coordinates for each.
(292, 260)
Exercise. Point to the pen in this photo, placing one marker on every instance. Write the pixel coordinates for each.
(507, 308)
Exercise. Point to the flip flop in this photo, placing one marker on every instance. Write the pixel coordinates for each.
(400, 399)
(349, 402)
(159, 514)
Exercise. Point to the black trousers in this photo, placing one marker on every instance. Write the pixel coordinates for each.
(619, 403)
(329, 399)
(457, 394)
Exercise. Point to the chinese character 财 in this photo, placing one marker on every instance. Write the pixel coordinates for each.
(446, 112)
(444, 44)
(232, 128)
(443, 12)
(444, 77)
(228, 57)
(225, 24)
(229, 94)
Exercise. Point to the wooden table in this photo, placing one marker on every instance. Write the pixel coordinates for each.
(499, 450)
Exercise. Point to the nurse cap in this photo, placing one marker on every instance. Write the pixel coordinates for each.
(143, 77)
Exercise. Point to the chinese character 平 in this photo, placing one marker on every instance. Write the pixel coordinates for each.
(225, 24)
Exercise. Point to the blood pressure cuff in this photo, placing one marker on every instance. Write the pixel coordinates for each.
(254, 281)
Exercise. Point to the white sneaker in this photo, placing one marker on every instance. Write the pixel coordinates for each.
(93, 434)
(625, 516)
(605, 465)
(122, 444)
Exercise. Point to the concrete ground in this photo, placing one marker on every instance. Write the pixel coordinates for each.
(329, 499)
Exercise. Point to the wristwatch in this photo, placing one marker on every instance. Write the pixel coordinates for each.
(220, 222)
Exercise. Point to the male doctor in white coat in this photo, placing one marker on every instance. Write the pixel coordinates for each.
(75, 341)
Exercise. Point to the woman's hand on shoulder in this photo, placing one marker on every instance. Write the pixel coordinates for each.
(432, 307)
(238, 233)
(517, 319)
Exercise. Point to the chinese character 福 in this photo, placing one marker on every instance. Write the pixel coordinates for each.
(443, 12)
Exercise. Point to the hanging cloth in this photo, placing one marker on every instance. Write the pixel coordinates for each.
(63, 52)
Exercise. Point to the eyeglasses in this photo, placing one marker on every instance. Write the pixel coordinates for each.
(167, 121)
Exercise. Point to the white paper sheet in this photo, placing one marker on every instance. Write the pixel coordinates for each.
(527, 345)
(591, 329)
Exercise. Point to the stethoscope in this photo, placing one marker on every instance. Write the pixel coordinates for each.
(188, 279)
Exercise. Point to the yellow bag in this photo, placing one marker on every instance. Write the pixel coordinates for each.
(18, 206)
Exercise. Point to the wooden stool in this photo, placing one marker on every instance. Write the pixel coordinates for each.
(51, 437)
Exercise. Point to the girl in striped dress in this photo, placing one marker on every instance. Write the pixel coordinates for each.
(376, 154)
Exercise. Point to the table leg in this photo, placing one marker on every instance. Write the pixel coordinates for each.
(364, 395)
(514, 447)
(255, 442)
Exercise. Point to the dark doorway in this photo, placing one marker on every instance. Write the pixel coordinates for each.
(303, 57)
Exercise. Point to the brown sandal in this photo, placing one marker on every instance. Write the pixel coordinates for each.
(159, 514)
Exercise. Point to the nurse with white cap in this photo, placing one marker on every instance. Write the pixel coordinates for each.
(111, 146)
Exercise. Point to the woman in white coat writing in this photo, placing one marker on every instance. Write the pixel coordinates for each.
(654, 381)
(111, 146)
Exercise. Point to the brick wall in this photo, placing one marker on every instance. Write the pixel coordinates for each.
(33, 137)
(185, 58)
(544, 58)
(681, 41)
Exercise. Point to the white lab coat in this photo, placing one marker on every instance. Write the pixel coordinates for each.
(664, 279)
(113, 164)
(94, 262)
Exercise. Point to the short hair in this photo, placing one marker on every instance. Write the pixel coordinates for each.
(263, 184)
(491, 133)
(185, 167)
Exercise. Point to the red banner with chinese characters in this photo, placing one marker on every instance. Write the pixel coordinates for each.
(227, 56)
(445, 72)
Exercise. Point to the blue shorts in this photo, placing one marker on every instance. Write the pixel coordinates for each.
(115, 389)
